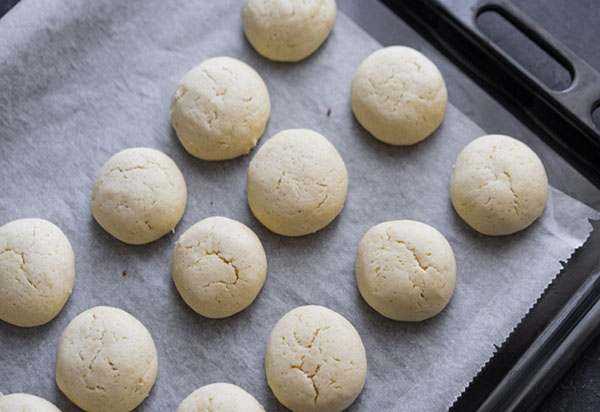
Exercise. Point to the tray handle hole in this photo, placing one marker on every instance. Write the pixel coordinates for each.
(539, 59)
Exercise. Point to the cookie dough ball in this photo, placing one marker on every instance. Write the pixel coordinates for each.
(218, 266)
(398, 95)
(37, 271)
(297, 183)
(315, 361)
(23, 402)
(106, 360)
(220, 397)
(405, 270)
(139, 195)
(289, 30)
(220, 109)
(499, 185)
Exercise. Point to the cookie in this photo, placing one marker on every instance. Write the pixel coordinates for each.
(23, 402)
(37, 272)
(398, 95)
(139, 195)
(220, 109)
(220, 397)
(405, 270)
(315, 361)
(106, 360)
(498, 185)
(218, 266)
(297, 183)
(287, 31)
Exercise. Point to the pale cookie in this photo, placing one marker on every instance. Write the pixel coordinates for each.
(139, 195)
(315, 360)
(220, 109)
(405, 270)
(223, 397)
(297, 183)
(106, 361)
(398, 95)
(499, 185)
(37, 271)
(287, 30)
(218, 266)
(23, 402)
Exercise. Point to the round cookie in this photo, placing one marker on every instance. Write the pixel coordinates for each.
(499, 185)
(23, 402)
(287, 31)
(296, 183)
(315, 360)
(220, 397)
(106, 360)
(218, 266)
(37, 271)
(220, 109)
(405, 270)
(139, 195)
(398, 95)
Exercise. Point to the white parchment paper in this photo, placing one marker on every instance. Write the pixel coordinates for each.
(81, 80)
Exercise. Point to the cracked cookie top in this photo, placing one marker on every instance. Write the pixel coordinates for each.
(218, 266)
(297, 183)
(139, 195)
(398, 95)
(223, 397)
(498, 185)
(405, 270)
(106, 360)
(315, 360)
(37, 271)
(220, 109)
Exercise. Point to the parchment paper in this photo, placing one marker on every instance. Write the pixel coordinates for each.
(81, 80)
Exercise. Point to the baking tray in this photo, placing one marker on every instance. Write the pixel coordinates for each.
(565, 319)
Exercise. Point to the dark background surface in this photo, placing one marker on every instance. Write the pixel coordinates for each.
(577, 24)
